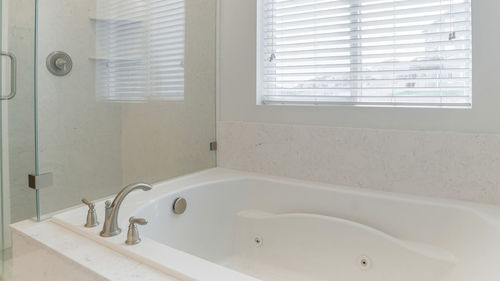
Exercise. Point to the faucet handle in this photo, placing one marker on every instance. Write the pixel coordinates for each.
(133, 233)
(91, 214)
(140, 221)
(88, 203)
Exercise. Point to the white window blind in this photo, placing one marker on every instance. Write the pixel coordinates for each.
(140, 49)
(366, 52)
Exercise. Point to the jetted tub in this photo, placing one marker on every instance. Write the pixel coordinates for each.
(243, 226)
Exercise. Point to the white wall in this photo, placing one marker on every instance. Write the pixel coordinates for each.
(450, 153)
(238, 87)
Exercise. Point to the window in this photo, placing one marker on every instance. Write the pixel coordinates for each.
(413, 53)
(140, 49)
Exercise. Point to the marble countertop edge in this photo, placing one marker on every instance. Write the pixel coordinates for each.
(85, 253)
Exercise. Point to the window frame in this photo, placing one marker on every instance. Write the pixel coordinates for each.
(260, 76)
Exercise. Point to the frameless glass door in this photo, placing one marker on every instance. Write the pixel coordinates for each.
(17, 117)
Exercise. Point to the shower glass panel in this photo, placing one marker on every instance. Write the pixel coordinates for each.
(20, 112)
(138, 102)
(17, 119)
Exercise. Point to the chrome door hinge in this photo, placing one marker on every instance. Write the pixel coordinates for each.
(41, 181)
(213, 146)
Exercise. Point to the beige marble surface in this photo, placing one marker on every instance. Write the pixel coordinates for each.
(57, 254)
(439, 164)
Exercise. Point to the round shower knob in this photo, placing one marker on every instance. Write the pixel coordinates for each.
(59, 63)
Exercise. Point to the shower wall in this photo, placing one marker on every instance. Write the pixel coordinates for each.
(167, 139)
(79, 136)
(95, 147)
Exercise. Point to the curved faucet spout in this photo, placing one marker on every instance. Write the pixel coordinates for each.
(110, 227)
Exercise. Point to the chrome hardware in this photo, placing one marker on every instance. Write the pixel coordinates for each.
(452, 35)
(59, 63)
(272, 57)
(13, 75)
(213, 146)
(110, 226)
(40, 181)
(133, 233)
(91, 214)
(179, 206)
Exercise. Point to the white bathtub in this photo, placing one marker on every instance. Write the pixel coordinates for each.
(242, 226)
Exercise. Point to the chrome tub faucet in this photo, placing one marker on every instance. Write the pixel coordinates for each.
(110, 227)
